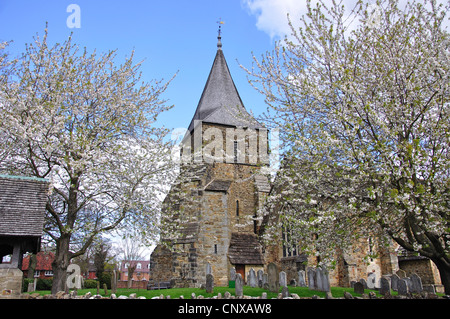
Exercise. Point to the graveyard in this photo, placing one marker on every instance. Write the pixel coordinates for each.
(313, 284)
(198, 293)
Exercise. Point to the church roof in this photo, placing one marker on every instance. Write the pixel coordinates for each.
(220, 102)
(245, 249)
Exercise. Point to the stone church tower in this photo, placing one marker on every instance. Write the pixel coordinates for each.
(210, 214)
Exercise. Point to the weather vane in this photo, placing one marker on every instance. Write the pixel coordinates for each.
(220, 22)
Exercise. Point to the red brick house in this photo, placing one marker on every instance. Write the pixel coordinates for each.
(43, 268)
(140, 276)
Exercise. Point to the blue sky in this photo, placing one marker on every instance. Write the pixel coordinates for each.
(171, 36)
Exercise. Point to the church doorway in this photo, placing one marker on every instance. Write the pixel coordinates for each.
(240, 269)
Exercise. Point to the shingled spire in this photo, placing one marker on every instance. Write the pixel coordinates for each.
(220, 102)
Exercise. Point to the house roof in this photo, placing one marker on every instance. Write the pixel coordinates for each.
(144, 265)
(245, 249)
(22, 205)
(220, 102)
(43, 261)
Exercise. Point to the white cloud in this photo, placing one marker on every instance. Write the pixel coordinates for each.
(271, 15)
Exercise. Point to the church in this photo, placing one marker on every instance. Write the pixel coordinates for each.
(210, 214)
(210, 217)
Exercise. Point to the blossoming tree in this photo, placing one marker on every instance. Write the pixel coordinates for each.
(362, 99)
(88, 125)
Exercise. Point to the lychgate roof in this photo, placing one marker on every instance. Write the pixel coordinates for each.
(22, 205)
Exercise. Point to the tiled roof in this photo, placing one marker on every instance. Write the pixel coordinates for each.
(220, 102)
(218, 185)
(22, 205)
(144, 265)
(245, 249)
(43, 261)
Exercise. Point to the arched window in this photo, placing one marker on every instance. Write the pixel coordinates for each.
(237, 208)
(139, 266)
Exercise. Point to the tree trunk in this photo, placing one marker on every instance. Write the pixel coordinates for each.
(131, 270)
(444, 271)
(32, 266)
(61, 263)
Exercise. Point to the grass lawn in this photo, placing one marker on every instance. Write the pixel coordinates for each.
(248, 291)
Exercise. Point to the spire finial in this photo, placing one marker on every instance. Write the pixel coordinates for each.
(219, 36)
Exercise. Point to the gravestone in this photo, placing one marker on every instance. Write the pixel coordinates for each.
(209, 283)
(323, 281)
(272, 272)
(283, 281)
(363, 282)
(385, 286)
(239, 286)
(371, 280)
(265, 281)
(259, 277)
(319, 279)
(408, 283)
(301, 278)
(208, 269)
(293, 283)
(416, 284)
(402, 287)
(358, 288)
(311, 278)
(232, 273)
(231, 282)
(394, 281)
(251, 280)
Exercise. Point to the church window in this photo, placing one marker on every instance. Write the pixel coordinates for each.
(215, 248)
(289, 245)
(237, 208)
(235, 151)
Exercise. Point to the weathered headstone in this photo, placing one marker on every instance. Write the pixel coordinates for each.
(251, 280)
(319, 279)
(259, 277)
(239, 286)
(323, 280)
(208, 269)
(209, 283)
(385, 286)
(311, 278)
(417, 286)
(272, 272)
(408, 283)
(265, 279)
(358, 288)
(394, 281)
(301, 278)
(283, 281)
(371, 280)
(363, 282)
(231, 282)
(233, 273)
(402, 287)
